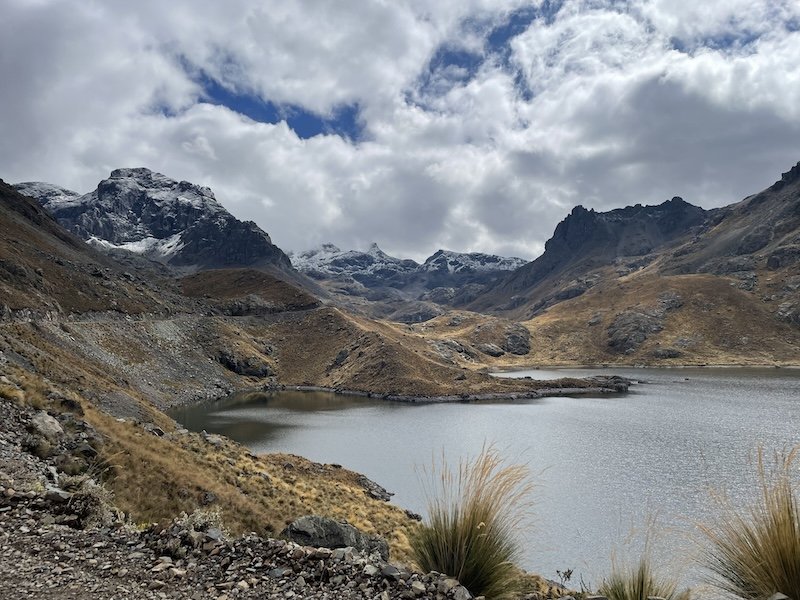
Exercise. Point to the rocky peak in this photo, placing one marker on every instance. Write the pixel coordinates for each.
(791, 176)
(175, 222)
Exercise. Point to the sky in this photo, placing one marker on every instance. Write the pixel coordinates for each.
(470, 125)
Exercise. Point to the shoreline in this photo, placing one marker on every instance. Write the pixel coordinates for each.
(620, 386)
(538, 367)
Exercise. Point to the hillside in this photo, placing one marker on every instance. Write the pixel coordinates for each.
(667, 284)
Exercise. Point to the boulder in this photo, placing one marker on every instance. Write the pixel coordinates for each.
(517, 340)
(323, 532)
(47, 427)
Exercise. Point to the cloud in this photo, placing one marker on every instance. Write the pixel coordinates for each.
(483, 122)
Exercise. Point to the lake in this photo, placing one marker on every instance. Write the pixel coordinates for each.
(610, 471)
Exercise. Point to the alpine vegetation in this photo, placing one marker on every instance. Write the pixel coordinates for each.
(640, 582)
(475, 512)
(756, 553)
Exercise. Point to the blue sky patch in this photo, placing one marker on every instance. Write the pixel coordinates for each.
(344, 120)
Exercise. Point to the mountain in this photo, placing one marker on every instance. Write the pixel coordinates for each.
(403, 290)
(670, 283)
(586, 240)
(372, 268)
(177, 223)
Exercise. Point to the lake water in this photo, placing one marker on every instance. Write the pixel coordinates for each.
(610, 471)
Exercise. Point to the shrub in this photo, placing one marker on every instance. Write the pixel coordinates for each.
(639, 583)
(475, 512)
(756, 553)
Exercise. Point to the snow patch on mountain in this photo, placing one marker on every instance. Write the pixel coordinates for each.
(328, 261)
(156, 249)
(48, 195)
(472, 262)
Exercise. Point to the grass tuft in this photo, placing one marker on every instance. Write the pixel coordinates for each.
(475, 512)
(640, 582)
(756, 553)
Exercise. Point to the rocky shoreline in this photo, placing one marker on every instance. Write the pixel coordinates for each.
(612, 384)
(62, 538)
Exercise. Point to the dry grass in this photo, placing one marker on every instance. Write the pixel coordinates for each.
(756, 553)
(475, 513)
(155, 478)
(640, 582)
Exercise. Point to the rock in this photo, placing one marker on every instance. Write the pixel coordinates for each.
(783, 257)
(47, 427)
(373, 489)
(491, 349)
(249, 366)
(418, 588)
(461, 593)
(517, 340)
(57, 495)
(324, 532)
(667, 353)
(630, 328)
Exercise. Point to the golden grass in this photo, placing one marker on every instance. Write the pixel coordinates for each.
(475, 514)
(756, 553)
(640, 582)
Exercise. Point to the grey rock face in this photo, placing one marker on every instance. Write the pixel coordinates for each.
(326, 533)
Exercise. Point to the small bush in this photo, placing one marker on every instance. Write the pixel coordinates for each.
(756, 554)
(639, 583)
(475, 513)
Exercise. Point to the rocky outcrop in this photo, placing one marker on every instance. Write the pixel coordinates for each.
(323, 532)
(248, 366)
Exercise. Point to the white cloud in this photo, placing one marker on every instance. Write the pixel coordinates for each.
(625, 103)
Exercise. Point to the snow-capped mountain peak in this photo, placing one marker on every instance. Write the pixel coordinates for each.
(175, 222)
(471, 262)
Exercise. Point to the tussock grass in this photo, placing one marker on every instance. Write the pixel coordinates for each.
(640, 582)
(756, 553)
(475, 512)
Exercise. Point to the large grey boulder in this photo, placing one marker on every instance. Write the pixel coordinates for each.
(322, 532)
(47, 427)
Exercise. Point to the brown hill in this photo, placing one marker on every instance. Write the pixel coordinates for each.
(670, 284)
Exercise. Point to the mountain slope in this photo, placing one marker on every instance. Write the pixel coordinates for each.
(178, 223)
(702, 287)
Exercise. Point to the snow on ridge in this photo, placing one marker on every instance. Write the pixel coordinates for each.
(157, 249)
(328, 259)
(50, 196)
(454, 262)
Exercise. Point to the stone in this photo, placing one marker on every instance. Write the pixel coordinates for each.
(461, 593)
(491, 349)
(418, 588)
(47, 427)
(57, 495)
(324, 532)
(517, 340)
